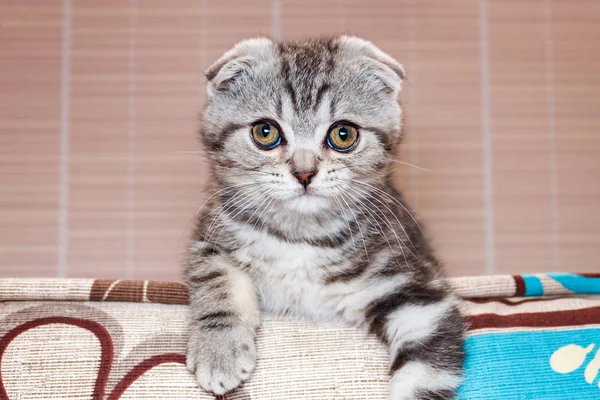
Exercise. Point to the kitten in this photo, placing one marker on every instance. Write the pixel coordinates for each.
(304, 219)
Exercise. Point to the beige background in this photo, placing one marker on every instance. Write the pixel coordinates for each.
(99, 103)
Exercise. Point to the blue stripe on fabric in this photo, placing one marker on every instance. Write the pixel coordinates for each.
(578, 283)
(517, 366)
(533, 285)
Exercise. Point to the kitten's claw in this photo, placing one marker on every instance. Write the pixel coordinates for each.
(221, 359)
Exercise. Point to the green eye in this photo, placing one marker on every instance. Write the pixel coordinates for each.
(266, 135)
(342, 137)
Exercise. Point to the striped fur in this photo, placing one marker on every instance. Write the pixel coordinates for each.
(344, 247)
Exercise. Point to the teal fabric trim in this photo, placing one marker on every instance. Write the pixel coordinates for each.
(537, 365)
(578, 283)
(533, 285)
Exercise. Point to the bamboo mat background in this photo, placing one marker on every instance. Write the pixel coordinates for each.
(99, 103)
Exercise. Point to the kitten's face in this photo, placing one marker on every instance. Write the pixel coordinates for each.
(294, 124)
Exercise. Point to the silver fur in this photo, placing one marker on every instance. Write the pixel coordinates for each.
(344, 247)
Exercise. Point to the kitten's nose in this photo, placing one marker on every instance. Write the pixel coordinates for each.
(304, 166)
(304, 177)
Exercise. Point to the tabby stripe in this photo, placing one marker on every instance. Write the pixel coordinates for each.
(339, 239)
(320, 93)
(246, 217)
(217, 325)
(332, 48)
(443, 394)
(279, 107)
(443, 349)
(200, 279)
(206, 249)
(417, 377)
(215, 315)
(417, 351)
(397, 265)
(289, 87)
(285, 67)
(326, 242)
(382, 136)
(217, 144)
(378, 310)
(332, 107)
(355, 271)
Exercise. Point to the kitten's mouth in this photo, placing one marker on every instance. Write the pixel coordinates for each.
(308, 192)
(308, 201)
(310, 196)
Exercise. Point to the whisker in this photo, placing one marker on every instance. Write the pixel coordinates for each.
(393, 199)
(271, 204)
(255, 211)
(245, 197)
(389, 225)
(347, 221)
(410, 165)
(216, 222)
(245, 172)
(394, 215)
(221, 209)
(175, 197)
(231, 187)
(248, 198)
(359, 227)
(267, 198)
(391, 161)
(379, 228)
(188, 152)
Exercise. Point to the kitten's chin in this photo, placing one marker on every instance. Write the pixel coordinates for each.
(308, 204)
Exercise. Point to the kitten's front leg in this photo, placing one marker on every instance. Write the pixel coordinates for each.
(224, 316)
(425, 332)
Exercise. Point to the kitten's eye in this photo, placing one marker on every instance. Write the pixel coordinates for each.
(342, 137)
(266, 135)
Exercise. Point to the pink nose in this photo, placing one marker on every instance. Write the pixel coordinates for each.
(304, 177)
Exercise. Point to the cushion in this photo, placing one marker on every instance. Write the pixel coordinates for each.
(530, 337)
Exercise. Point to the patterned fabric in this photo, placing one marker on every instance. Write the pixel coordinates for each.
(99, 339)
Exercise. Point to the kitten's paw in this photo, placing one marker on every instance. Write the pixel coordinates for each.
(221, 359)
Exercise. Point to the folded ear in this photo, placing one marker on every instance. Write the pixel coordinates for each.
(240, 59)
(383, 66)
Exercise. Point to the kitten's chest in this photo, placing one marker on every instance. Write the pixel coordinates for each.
(289, 276)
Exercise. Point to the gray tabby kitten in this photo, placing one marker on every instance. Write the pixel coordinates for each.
(304, 220)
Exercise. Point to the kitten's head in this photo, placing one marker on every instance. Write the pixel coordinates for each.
(296, 123)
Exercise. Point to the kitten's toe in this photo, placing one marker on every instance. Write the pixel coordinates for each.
(244, 365)
(221, 362)
(203, 379)
(222, 375)
(215, 380)
(223, 382)
(190, 361)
